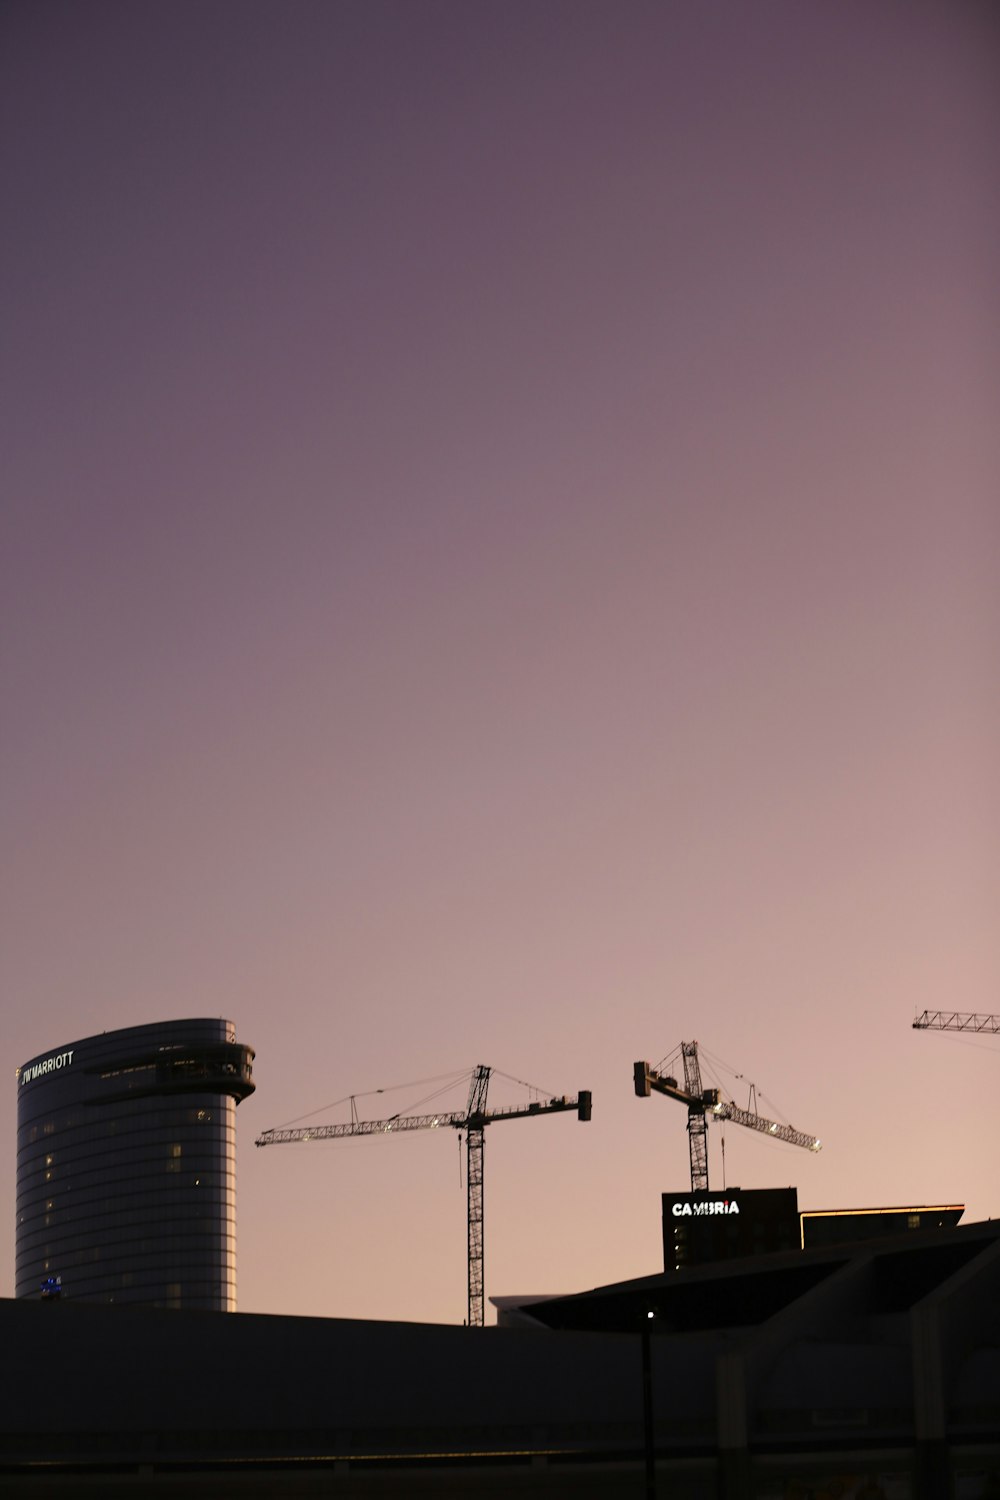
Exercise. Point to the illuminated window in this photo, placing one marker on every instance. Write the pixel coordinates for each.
(913, 1221)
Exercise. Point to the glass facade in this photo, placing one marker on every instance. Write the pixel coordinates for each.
(126, 1166)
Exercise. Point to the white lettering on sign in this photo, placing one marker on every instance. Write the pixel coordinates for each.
(699, 1210)
(50, 1065)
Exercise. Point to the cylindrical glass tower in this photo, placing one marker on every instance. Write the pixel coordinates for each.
(126, 1166)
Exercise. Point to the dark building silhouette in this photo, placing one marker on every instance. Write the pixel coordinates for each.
(126, 1162)
(702, 1228)
(846, 1226)
(870, 1370)
(699, 1228)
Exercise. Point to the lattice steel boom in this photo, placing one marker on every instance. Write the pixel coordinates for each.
(954, 1020)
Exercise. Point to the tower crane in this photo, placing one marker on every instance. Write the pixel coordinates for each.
(473, 1120)
(954, 1020)
(703, 1103)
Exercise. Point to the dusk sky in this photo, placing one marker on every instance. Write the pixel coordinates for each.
(499, 563)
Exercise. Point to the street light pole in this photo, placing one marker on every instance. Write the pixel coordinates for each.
(647, 1407)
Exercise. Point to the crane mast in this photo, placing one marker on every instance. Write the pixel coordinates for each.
(473, 1121)
(954, 1020)
(701, 1104)
(697, 1126)
(475, 1140)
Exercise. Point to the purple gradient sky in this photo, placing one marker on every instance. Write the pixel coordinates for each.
(500, 553)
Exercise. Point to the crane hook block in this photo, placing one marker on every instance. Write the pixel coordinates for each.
(583, 1104)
